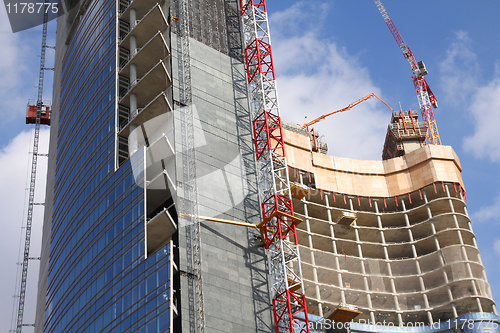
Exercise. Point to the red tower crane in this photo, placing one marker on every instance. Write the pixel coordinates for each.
(426, 98)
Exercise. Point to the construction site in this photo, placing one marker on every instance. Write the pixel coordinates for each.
(178, 200)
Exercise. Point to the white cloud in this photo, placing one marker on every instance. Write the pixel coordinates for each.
(485, 107)
(459, 70)
(299, 17)
(15, 163)
(317, 76)
(20, 51)
(486, 213)
(496, 247)
(460, 75)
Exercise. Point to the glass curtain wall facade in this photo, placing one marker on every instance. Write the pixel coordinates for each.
(98, 277)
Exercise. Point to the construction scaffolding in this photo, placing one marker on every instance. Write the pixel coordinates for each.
(189, 196)
(278, 224)
(404, 134)
(36, 114)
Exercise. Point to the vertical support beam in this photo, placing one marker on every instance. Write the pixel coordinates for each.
(189, 199)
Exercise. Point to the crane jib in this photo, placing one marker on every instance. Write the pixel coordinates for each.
(425, 97)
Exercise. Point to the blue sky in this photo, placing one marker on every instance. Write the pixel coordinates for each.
(327, 55)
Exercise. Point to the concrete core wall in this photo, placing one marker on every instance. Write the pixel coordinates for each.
(234, 272)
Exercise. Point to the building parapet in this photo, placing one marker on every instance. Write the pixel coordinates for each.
(392, 177)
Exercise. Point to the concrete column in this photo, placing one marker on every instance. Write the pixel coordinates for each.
(369, 302)
(133, 142)
(334, 244)
(393, 287)
(426, 300)
(452, 209)
(428, 208)
(308, 227)
(133, 105)
(429, 318)
(389, 269)
(356, 233)
(454, 309)
(313, 261)
(421, 282)
(133, 67)
(438, 247)
(133, 74)
(341, 283)
(132, 17)
(360, 254)
(479, 306)
(329, 214)
(450, 295)
(410, 235)
(133, 45)
(460, 238)
(400, 320)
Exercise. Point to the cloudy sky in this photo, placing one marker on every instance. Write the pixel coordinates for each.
(327, 55)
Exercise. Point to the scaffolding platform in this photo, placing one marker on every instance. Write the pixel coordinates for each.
(344, 313)
(159, 231)
(299, 191)
(268, 233)
(44, 114)
(346, 218)
(294, 286)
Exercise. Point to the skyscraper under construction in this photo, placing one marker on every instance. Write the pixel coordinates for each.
(156, 178)
(133, 144)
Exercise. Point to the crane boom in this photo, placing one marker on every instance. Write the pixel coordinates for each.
(350, 106)
(407, 52)
(426, 98)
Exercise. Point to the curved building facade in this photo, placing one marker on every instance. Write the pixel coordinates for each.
(392, 238)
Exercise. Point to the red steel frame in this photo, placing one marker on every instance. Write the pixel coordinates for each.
(278, 226)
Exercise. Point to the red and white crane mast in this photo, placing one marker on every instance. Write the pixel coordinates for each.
(278, 227)
(426, 98)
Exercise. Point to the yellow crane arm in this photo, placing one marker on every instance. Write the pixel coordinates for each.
(350, 106)
(213, 219)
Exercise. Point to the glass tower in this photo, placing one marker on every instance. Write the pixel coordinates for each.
(98, 277)
(119, 250)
